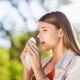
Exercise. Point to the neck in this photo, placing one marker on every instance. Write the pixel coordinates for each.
(58, 53)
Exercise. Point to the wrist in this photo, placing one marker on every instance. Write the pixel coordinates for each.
(38, 67)
(28, 72)
(39, 74)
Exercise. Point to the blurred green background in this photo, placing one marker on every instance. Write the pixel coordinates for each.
(18, 22)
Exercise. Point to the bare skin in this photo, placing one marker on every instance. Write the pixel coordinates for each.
(50, 38)
(51, 65)
(27, 73)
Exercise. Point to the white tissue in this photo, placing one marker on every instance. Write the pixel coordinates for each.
(27, 58)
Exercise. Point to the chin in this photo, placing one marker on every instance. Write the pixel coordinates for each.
(45, 49)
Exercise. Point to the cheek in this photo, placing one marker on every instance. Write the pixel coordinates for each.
(52, 40)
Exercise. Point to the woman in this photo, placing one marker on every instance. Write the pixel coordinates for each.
(56, 34)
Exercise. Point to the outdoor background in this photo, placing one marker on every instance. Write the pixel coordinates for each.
(18, 22)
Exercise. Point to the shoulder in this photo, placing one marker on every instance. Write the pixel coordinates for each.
(77, 62)
(74, 73)
(77, 57)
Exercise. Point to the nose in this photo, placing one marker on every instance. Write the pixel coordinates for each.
(39, 35)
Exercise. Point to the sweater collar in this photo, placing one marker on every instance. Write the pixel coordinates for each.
(65, 60)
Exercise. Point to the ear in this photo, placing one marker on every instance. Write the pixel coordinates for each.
(60, 32)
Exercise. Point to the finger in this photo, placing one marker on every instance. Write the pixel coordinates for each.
(34, 45)
(35, 49)
(31, 51)
(25, 49)
(23, 56)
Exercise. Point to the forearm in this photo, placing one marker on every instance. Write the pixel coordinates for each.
(39, 74)
(26, 75)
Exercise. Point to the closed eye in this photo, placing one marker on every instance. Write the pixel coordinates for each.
(44, 30)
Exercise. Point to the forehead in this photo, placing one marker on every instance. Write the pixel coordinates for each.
(44, 25)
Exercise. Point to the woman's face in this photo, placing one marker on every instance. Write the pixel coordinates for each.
(48, 35)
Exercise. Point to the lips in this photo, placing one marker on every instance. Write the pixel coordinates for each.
(42, 42)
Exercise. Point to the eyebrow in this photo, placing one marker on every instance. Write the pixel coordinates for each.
(42, 27)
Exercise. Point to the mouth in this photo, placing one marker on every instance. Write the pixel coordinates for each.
(42, 43)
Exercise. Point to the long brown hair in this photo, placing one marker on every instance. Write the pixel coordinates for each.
(59, 19)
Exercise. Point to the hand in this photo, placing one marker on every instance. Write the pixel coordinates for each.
(22, 56)
(35, 55)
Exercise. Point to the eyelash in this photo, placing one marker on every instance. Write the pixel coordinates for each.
(44, 30)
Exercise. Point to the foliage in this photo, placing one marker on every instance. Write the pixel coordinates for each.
(10, 64)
